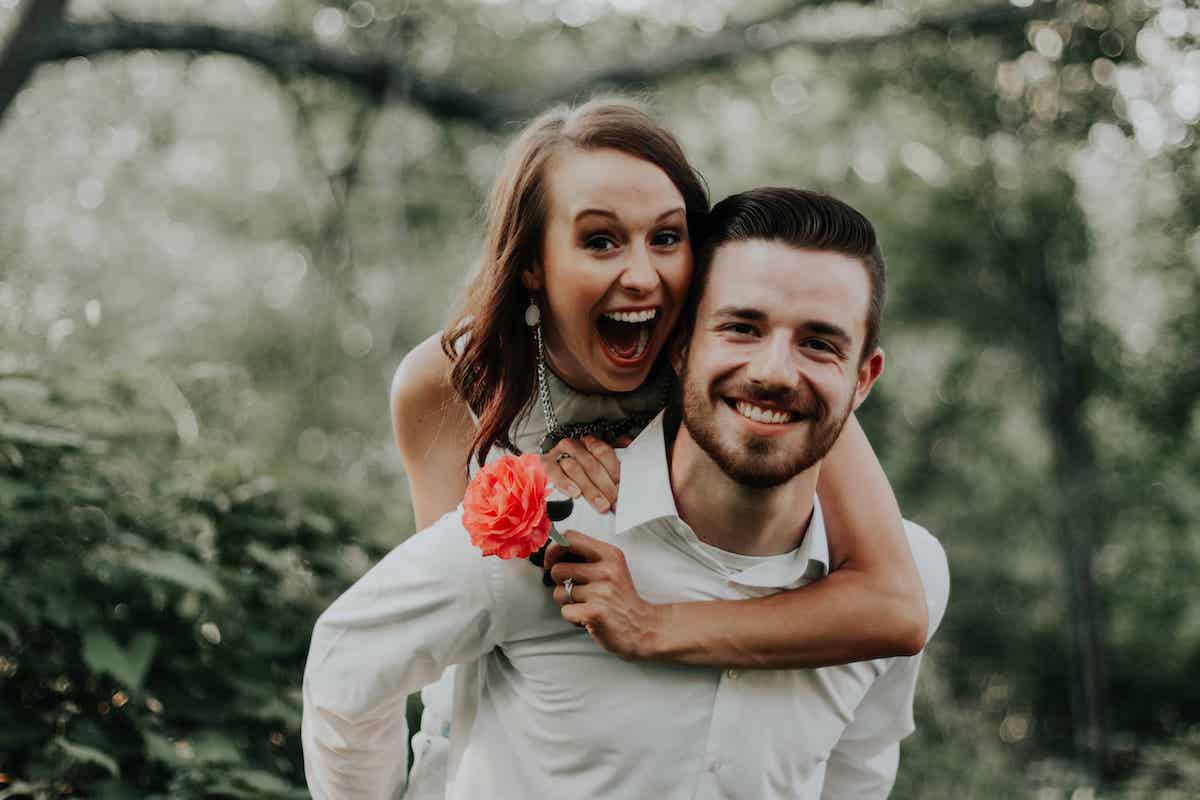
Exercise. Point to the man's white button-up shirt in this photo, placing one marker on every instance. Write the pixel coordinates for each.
(557, 716)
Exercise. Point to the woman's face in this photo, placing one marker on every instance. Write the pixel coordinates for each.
(615, 267)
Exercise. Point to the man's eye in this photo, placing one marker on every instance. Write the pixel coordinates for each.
(599, 243)
(741, 328)
(820, 345)
(667, 239)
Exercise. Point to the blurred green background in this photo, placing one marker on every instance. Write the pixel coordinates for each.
(223, 223)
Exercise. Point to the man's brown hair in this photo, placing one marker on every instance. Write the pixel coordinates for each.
(799, 218)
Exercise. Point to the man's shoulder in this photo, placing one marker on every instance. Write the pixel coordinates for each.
(443, 547)
(934, 569)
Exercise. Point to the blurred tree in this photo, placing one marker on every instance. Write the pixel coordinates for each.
(38, 20)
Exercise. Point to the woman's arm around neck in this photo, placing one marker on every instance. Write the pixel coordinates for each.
(871, 605)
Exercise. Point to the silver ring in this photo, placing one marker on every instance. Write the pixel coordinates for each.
(563, 456)
(568, 587)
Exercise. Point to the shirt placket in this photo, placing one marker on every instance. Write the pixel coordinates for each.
(727, 736)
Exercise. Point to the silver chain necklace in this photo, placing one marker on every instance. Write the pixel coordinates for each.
(606, 429)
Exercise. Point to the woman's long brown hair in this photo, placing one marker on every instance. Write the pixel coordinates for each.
(493, 350)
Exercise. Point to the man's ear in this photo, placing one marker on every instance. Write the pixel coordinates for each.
(868, 372)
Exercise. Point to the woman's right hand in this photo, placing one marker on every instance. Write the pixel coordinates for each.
(586, 467)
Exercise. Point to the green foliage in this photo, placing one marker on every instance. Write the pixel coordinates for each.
(156, 602)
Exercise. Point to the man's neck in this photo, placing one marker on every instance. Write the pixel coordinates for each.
(734, 517)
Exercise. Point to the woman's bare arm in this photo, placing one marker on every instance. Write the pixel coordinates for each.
(433, 430)
(872, 605)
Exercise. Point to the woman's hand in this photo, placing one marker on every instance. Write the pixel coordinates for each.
(587, 467)
(603, 598)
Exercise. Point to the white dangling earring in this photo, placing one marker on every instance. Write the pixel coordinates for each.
(533, 314)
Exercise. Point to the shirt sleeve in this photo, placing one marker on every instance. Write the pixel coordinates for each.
(863, 764)
(429, 603)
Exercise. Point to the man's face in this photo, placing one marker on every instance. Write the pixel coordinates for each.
(773, 368)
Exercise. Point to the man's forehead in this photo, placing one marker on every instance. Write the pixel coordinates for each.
(780, 280)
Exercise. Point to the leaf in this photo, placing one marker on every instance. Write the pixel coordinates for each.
(274, 560)
(141, 654)
(17, 388)
(89, 755)
(212, 747)
(320, 523)
(276, 710)
(102, 653)
(180, 570)
(160, 748)
(13, 492)
(116, 790)
(40, 435)
(262, 781)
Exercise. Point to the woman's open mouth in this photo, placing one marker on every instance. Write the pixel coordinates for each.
(626, 334)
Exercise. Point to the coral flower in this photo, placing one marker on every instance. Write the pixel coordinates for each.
(504, 509)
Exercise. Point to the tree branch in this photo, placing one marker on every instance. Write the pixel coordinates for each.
(284, 55)
(287, 56)
(762, 36)
(38, 19)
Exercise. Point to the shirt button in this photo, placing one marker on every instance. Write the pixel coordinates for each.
(732, 674)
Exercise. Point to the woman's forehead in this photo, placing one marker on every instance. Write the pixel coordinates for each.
(610, 182)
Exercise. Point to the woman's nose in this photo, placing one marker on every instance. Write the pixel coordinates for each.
(639, 275)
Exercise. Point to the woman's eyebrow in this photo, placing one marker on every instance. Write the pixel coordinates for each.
(596, 212)
(604, 212)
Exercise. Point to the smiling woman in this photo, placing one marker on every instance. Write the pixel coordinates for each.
(614, 269)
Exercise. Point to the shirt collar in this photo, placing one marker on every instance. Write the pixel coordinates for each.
(648, 495)
(645, 495)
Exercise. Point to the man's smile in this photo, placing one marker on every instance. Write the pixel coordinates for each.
(763, 413)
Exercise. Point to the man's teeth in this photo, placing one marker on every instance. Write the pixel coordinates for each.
(760, 414)
(633, 316)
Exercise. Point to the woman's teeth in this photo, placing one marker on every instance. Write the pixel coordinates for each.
(627, 334)
(633, 316)
(760, 414)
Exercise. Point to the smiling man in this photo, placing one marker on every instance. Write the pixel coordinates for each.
(785, 315)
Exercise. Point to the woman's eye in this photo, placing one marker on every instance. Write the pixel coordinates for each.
(599, 243)
(741, 328)
(667, 239)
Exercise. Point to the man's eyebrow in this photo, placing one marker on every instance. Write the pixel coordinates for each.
(604, 212)
(741, 312)
(828, 329)
(752, 314)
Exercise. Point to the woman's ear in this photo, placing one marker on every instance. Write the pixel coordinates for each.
(531, 277)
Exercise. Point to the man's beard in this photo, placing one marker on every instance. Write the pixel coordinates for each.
(761, 462)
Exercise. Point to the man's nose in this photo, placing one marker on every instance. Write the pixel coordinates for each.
(773, 363)
(639, 275)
